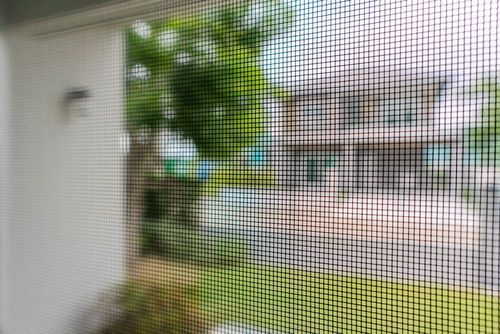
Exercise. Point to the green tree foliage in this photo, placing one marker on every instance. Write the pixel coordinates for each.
(484, 140)
(200, 75)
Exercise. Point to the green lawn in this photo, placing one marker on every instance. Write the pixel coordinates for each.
(294, 301)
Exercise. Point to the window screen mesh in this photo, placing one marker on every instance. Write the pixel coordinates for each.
(273, 166)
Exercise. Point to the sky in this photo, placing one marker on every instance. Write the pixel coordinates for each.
(334, 39)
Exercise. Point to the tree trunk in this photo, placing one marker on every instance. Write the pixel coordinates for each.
(142, 159)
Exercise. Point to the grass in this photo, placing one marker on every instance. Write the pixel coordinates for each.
(295, 301)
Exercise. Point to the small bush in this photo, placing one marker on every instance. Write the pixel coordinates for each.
(176, 241)
(159, 298)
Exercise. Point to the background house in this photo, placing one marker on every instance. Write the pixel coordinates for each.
(371, 134)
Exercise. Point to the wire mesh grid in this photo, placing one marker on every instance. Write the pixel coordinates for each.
(274, 166)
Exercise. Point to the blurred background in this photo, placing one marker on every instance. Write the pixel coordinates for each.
(274, 166)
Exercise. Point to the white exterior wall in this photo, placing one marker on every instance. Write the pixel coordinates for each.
(4, 92)
(66, 205)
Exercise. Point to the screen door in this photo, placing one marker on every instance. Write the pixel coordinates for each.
(277, 166)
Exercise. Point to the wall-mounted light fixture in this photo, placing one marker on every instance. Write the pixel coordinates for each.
(76, 100)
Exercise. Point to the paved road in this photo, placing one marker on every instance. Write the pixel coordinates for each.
(444, 242)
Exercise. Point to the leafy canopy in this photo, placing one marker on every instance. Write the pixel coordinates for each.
(200, 75)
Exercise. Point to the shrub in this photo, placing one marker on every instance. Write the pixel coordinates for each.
(159, 297)
(177, 241)
(184, 243)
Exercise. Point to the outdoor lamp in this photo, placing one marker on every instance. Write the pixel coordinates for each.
(76, 102)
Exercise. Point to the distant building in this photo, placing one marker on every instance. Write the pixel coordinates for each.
(369, 134)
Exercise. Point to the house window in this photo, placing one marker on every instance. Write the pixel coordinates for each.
(314, 114)
(320, 167)
(438, 158)
(399, 111)
(313, 171)
(354, 115)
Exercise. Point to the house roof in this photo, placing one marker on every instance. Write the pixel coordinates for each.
(352, 84)
(368, 82)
